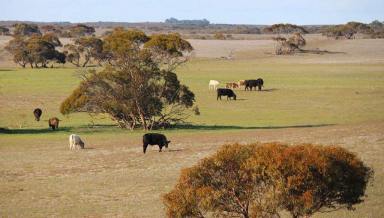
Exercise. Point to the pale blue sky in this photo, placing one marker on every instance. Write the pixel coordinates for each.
(217, 11)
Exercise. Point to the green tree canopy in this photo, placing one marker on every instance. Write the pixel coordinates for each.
(24, 29)
(81, 30)
(4, 31)
(36, 50)
(132, 88)
(84, 49)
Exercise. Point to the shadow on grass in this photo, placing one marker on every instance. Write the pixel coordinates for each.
(262, 90)
(269, 90)
(34, 131)
(5, 69)
(318, 51)
(173, 150)
(114, 128)
(229, 127)
(79, 129)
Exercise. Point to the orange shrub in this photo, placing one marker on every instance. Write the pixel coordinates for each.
(260, 180)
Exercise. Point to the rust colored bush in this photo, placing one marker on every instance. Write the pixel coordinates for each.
(260, 180)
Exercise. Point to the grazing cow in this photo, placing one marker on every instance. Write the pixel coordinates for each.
(53, 123)
(154, 139)
(231, 85)
(241, 83)
(253, 83)
(225, 92)
(37, 113)
(213, 84)
(75, 142)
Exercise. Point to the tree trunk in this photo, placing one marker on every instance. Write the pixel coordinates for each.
(86, 61)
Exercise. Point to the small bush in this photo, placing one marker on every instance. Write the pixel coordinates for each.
(219, 36)
(260, 180)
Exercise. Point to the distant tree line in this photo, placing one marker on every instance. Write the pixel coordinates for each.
(199, 23)
(350, 29)
(202, 26)
(28, 29)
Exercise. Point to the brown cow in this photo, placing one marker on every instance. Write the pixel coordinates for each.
(231, 85)
(241, 83)
(53, 123)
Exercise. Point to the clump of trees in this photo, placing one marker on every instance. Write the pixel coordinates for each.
(378, 29)
(282, 28)
(80, 30)
(37, 50)
(55, 29)
(261, 180)
(288, 46)
(83, 50)
(25, 29)
(347, 31)
(219, 36)
(198, 23)
(137, 88)
(4, 31)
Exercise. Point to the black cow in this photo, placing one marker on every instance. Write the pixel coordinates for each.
(225, 92)
(253, 83)
(154, 139)
(37, 113)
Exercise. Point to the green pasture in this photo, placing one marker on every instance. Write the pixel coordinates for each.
(294, 95)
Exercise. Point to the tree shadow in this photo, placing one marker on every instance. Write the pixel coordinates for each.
(4, 69)
(318, 51)
(269, 90)
(173, 150)
(111, 127)
(230, 127)
(262, 90)
(34, 131)
(78, 129)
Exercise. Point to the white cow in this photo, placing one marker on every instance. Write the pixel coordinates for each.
(75, 142)
(213, 84)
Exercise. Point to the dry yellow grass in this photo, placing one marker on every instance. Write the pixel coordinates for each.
(41, 177)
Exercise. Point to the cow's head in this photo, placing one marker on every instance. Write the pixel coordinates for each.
(234, 97)
(166, 143)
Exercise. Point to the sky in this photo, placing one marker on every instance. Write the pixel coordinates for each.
(300, 12)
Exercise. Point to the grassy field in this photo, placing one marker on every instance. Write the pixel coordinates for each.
(323, 103)
(294, 94)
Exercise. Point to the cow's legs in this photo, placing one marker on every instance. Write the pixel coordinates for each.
(161, 147)
(145, 147)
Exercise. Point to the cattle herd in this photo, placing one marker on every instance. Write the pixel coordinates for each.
(227, 91)
(76, 143)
